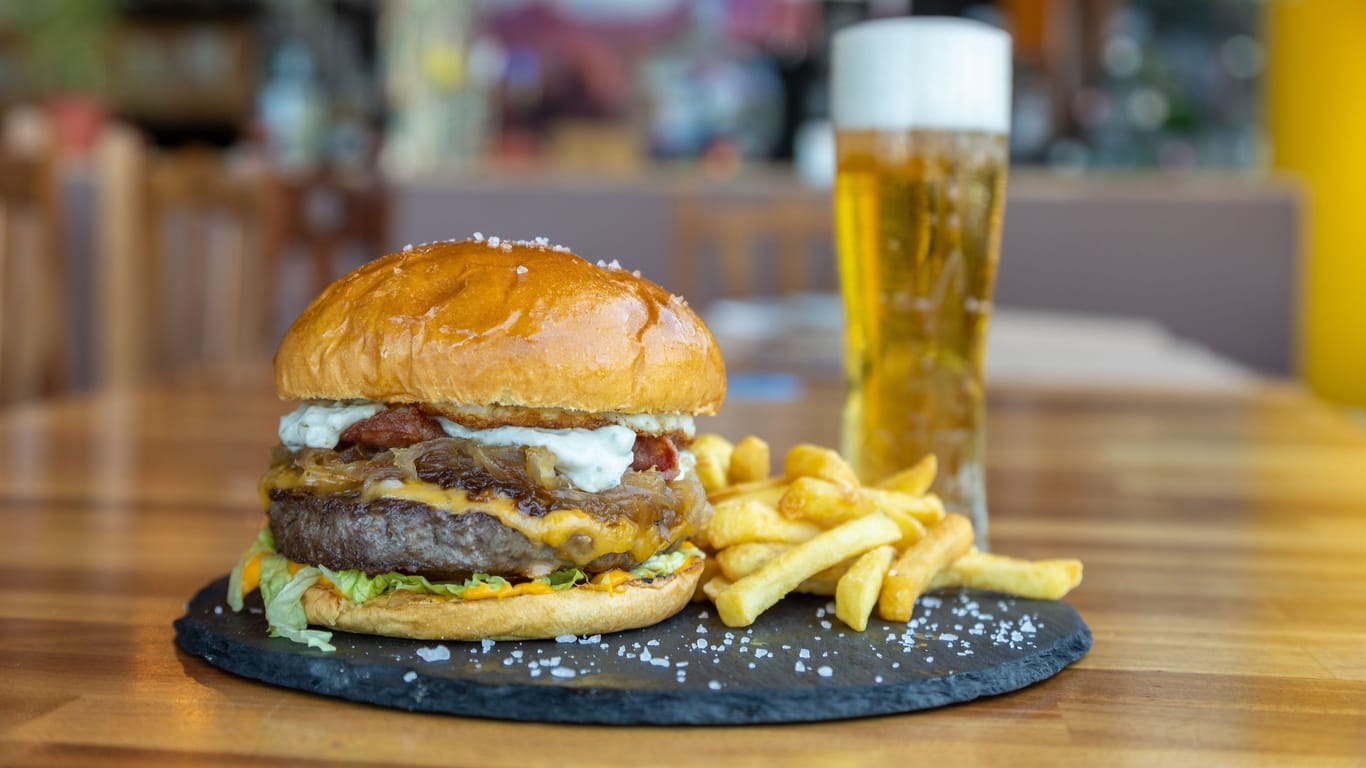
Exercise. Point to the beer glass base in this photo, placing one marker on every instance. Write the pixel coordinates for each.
(976, 511)
(969, 499)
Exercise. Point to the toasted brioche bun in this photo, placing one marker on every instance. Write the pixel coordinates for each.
(574, 611)
(534, 326)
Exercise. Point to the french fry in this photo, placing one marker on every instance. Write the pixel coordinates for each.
(807, 460)
(1037, 579)
(710, 569)
(859, 587)
(821, 501)
(768, 491)
(913, 571)
(912, 530)
(816, 529)
(824, 583)
(824, 502)
(741, 603)
(737, 522)
(741, 560)
(915, 479)
(713, 454)
(714, 586)
(750, 460)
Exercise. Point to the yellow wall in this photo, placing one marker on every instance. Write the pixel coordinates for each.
(1316, 112)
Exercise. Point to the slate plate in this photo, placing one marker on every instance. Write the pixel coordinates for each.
(797, 663)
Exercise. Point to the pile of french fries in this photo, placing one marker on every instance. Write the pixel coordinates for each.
(816, 529)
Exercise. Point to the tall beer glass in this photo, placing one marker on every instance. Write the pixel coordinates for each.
(921, 109)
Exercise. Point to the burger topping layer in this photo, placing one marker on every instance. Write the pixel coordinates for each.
(592, 460)
(321, 423)
(453, 506)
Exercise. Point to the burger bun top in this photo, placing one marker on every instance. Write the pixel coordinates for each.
(515, 324)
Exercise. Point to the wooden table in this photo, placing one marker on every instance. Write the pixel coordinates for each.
(1224, 538)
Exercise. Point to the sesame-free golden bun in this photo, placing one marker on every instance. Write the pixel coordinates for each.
(517, 324)
(577, 611)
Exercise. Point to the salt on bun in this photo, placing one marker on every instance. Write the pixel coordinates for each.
(490, 322)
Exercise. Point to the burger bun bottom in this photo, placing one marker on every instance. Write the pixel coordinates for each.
(574, 611)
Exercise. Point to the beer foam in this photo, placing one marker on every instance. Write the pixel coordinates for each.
(923, 72)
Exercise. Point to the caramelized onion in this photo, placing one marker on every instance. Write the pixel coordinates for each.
(526, 475)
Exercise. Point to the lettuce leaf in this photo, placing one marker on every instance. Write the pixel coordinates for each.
(359, 586)
(265, 543)
(665, 563)
(283, 598)
(282, 593)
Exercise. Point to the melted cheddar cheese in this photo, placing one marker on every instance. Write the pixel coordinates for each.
(576, 536)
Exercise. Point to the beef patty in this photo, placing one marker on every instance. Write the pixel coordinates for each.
(333, 526)
(341, 531)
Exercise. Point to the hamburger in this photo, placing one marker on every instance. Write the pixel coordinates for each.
(491, 442)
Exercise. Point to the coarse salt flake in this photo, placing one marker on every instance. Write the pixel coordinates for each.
(438, 653)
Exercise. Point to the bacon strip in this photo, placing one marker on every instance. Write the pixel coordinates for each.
(656, 452)
(394, 428)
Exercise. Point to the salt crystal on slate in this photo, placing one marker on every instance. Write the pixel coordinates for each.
(439, 653)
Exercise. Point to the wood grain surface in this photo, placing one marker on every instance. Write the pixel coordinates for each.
(1224, 538)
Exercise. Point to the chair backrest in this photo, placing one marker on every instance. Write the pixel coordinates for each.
(33, 332)
(735, 240)
(322, 213)
(180, 273)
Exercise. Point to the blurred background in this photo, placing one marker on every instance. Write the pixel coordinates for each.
(179, 177)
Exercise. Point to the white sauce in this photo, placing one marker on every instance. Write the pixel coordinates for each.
(319, 425)
(655, 423)
(591, 459)
(686, 461)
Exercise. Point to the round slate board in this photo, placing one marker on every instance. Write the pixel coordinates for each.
(797, 663)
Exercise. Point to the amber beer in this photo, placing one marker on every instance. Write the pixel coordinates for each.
(921, 114)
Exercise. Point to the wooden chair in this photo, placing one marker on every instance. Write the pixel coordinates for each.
(33, 338)
(751, 245)
(322, 213)
(180, 273)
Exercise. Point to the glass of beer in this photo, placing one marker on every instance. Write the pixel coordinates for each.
(921, 109)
